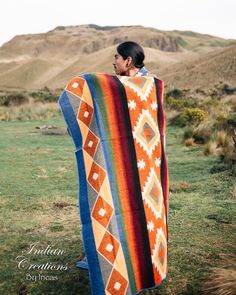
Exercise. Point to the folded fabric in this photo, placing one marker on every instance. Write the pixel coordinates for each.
(117, 125)
(82, 264)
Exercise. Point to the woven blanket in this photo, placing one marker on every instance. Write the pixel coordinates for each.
(117, 125)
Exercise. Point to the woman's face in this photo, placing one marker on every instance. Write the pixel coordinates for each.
(119, 64)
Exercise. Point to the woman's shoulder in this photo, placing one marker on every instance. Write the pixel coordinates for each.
(153, 75)
(143, 72)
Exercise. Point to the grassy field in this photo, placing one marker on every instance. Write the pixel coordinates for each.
(38, 202)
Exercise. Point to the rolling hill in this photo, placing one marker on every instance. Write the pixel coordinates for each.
(181, 58)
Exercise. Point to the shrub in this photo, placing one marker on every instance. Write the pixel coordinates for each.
(228, 89)
(200, 134)
(13, 99)
(210, 103)
(226, 121)
(60, 28)
(231, 120)
(195, 115)
(233, 173)
(219, 167)
(188, 132)
(190, 116)
(203, 132)
(190, 102)
(175, 92)
(174, 103)
(36, 111)
(179, 104)
(44, 95)
(222, 89)
(180, 120)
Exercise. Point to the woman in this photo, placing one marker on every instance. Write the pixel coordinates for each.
(129, 60)
(117, 125)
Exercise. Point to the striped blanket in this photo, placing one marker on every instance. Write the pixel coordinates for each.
(117, 125)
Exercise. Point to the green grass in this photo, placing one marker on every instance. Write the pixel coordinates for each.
(38, 203)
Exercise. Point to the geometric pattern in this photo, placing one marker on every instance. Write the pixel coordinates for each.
(91, 143)
(146, 132)
(141, 95)
(74, 88)
(154, 106)
(109, 247)
(132, 105)
(159, 256)
(85, 113)
(107, 244)
(102, 211)
(117, 284)
(96, 176)
(140, 85)
(152, 194)
(146, 136)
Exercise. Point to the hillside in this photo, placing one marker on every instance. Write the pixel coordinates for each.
(51, 59)
(204, 71)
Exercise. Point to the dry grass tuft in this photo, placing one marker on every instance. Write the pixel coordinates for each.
(189, 142)
(183, 186)
(203, 132)
(226, 142)
(222, 138)
(30, 111)
(41, 173)
(62, 205)
(211, 148)
(234, 193)
(221, 282)
(62, 169)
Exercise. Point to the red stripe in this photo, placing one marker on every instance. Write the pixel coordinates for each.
(164, 167)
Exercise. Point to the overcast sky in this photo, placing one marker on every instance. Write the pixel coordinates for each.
(214, 17)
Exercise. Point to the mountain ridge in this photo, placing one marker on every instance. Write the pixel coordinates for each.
(51, 59)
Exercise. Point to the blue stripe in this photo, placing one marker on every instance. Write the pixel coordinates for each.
(96, 280)
(69, 117)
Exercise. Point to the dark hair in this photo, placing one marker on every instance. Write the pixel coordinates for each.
(134, 50)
